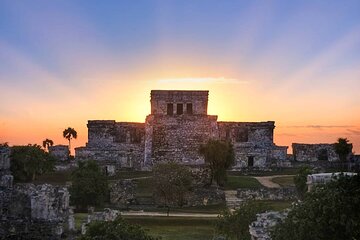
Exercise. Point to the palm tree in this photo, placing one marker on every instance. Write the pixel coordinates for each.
(47, 143)
(343, 148)
(69, 133)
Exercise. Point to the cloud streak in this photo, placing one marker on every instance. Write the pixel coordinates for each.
(202, 80)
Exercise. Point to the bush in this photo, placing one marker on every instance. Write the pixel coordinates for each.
(89, 185)
(29, 161)
(330, 211)
(118, 229)
(236, 225)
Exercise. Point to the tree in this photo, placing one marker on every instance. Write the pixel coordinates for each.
(47, 143)
(89, 185)
(235, 225)
(300, 180)
(219, 156)
(343, 148)
(69, 134)
(118, 229)
(29, 161)
(330, 211)
(172, 183)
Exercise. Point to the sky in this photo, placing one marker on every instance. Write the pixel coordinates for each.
(63, 62)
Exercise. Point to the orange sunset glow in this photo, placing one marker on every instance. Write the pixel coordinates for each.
(62, 65)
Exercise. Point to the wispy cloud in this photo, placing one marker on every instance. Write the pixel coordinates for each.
(353, 131)
(318, 126)
(202, 80)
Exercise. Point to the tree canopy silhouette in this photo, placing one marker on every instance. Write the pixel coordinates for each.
(219, 156)
(69, 134)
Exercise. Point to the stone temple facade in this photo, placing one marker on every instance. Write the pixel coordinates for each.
(175, 129)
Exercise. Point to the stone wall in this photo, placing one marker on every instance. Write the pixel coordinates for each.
(266, 193)
(160, 100)
(314, 152)
(122, 192)
(253, 143)
(260, 229)
(28, 211)
(175, 129)
(178, 138)
(6, 179)
(114, 143)
(60, 152)
(104, 216)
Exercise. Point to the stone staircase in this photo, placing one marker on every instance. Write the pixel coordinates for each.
(232, 201)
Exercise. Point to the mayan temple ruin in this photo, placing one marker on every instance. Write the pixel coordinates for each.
(176, 127)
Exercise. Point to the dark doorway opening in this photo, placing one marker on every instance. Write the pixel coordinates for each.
(189, 108)
(323, 155)
(179, 109)
(170, 109)
(250, 161)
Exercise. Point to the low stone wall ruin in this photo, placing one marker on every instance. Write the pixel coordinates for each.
(266, 193)
(260, 229)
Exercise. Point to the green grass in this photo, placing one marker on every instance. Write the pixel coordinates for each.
(79, 219)
(56, 178)
(131, 174)
(235, 182)
(276, 205)
(284, 171)
(211, 209)
(144, 187)
(286, 181)
(176, 228)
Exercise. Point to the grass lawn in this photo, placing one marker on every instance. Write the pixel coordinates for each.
(235, 182)
(56, 178)
(176, 228)
(284, 171)
(144, 187)
(131, 174)
(79, 218)
(287, 181)
(276, 205)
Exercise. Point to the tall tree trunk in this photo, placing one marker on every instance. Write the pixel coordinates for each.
(69, 147)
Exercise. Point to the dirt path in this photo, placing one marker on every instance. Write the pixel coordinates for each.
(172, 214)
(266, 181)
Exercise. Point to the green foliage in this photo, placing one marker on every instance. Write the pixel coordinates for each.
(89, 185)
(219, 156)
(69, 133)
(300, 181)
(235, 225)
(330, 211)
(47, 143)
(118, 229)
(29, 161)
(235, 182)
(172, 182)
(343, 148)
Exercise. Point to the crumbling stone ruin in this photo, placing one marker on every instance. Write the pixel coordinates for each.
(175, 129)
(106, 216)
(314, 152)
(260, 229)
(60, 152)
(266, 194)
(28, 211)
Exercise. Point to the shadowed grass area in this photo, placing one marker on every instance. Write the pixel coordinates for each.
(79, 218)
(56, 178)
(276, 205)
(235, 182)
(131, 174)
(176, 228)
(144, 187)
(287, 181)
